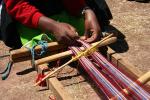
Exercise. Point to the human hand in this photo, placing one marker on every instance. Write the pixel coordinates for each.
(65, 33)
(92, 27)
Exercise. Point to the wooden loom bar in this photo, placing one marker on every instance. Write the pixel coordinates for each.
(58, 89)
(143, 80)
(54, 84)
(69, 52)
(126, 66)
(42, 68)
(24, 52)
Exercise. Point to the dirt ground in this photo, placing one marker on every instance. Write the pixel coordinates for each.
(130, 18)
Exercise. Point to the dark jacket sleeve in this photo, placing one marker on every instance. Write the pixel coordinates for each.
(74, 7)
(101, 10)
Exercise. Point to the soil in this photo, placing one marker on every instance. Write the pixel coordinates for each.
(131, 20)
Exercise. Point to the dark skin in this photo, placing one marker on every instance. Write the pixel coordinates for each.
(66, 34)
(92, 27)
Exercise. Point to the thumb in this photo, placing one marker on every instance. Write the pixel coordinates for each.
(86, 34)
(93, 38)
(83, 38)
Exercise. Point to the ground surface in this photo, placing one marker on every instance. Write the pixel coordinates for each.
(132, 19)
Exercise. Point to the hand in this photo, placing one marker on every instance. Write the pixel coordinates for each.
(92, 27)
(63, 32)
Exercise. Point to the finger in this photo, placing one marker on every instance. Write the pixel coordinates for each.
(93, 38)
(73, 35)
(72, 28)
(74, 39)
(76, 34)
(83, 37)
(86, 34)
(66, 40)
(69, 26)
(71, 42)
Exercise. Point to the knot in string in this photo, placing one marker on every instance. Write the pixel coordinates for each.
(43, 51)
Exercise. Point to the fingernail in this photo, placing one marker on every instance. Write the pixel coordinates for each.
(76, 33)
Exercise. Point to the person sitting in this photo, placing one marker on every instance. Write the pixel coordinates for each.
(61, 20)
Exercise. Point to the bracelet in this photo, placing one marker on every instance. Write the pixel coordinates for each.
(84, 9)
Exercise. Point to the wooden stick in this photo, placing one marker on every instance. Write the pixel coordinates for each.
(69, 52)
(24, 52)
(73, 59)
(51, 73)
(58, 89)
(143, 80)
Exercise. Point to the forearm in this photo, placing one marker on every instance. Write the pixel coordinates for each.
(47, 24)
(87, 11)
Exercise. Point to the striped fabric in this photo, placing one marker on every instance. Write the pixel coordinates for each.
(109, 90)
(137, 92)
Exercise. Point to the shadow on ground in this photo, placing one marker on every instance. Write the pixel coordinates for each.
(121, 44)
(26, 71)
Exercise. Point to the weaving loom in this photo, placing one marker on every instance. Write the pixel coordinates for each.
(118, 76)
(112, 81)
